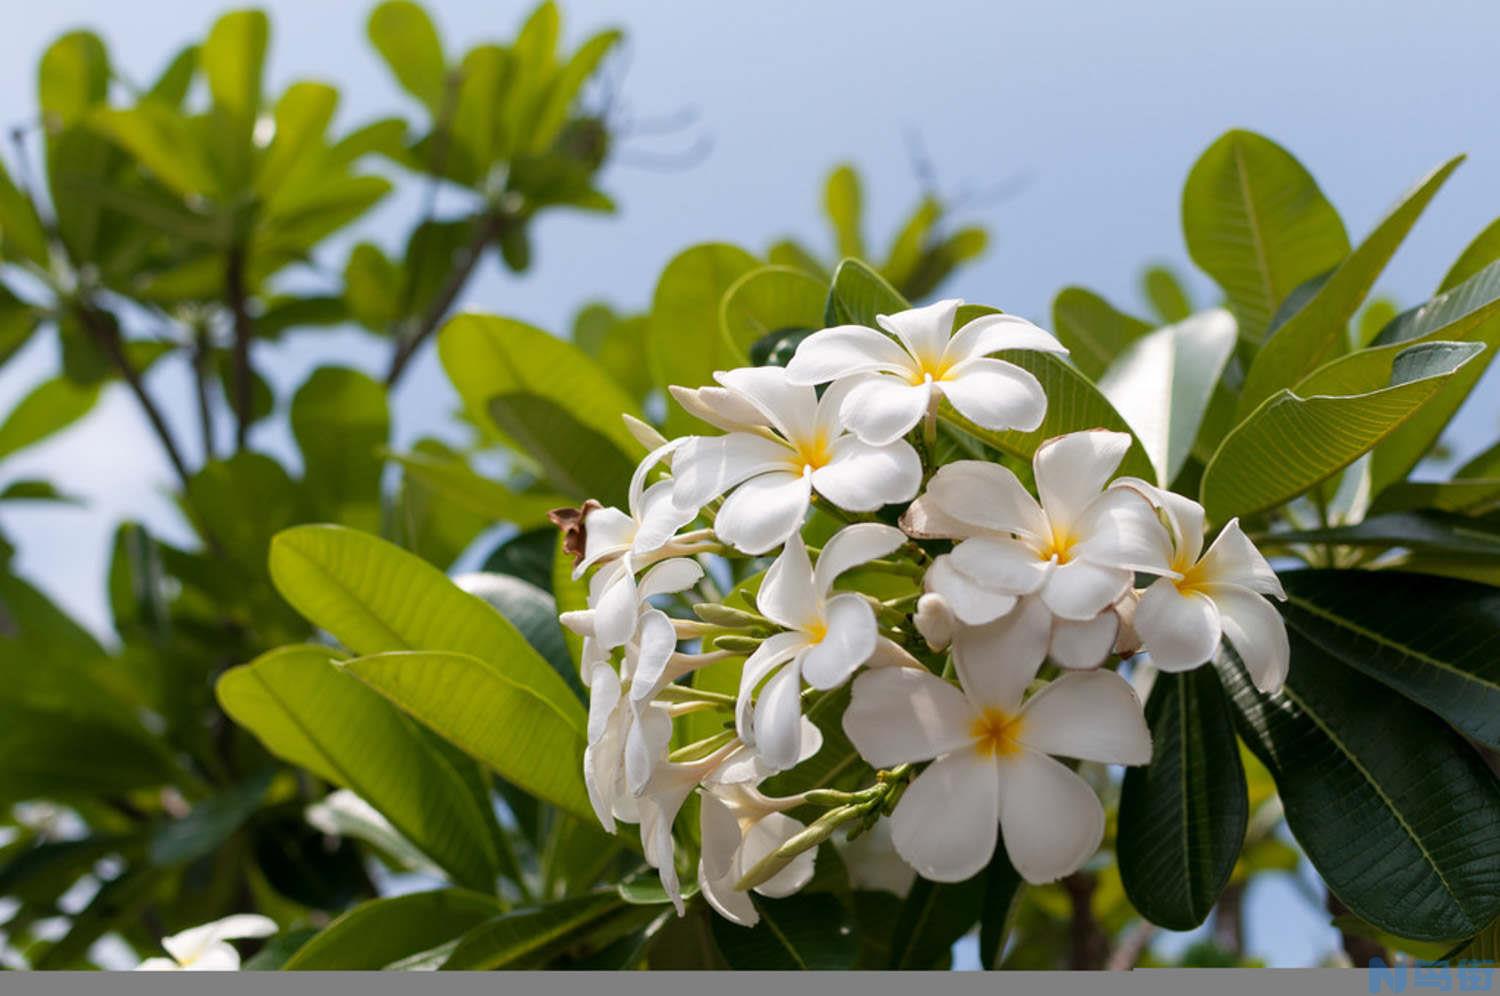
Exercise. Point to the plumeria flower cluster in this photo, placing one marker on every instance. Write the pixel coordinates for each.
(975, 621)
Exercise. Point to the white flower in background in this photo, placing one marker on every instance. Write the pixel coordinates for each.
(873, 863)
(828, 636)
(739, 827)
(904, 378)
(993, 761)
(1032, 633)
(207, 948)
(1077, 550)
(1212, 594)
(797, 445)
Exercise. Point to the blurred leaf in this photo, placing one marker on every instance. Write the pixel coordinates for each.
(811, 931)
(1163, 288)
(1377, 314)
(844, 205)
(302, 117)
(522, 938)
(1315, 334)
(162, 142)
(375, 934)
(262, 400)
(1472, 497)
(300, 705)
(1299, 437)
(73, 76)
(1093, 330)
(450, 475)
(209, 824)
(618, 343)
(289, 314)
(59, 754)
(1425, 530)
(50, 407)
(1182, 817)
(372, 288)
(562, 92)
(340, 420)
(859, 294)
(1002, 887)
(789, 252)
(768, 301)
(932, 918)
(530, 609)
(526, 555)
(120, 900)
(233, 60)
(573, 458)
(1257, 223)
(244, 501)
(171, 87)
(36, 490)
(22, 238)
(907, 247)
(409, 43)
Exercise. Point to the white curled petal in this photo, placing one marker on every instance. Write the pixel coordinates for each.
(1179, 631)
(923, 331)
(660, 518)
(189, 945)
(1081, 590)
(1087, 715)
(995, 395)
(1002, 564)
(888, 653)
(852, 546)
(993, 333)
(883, 408)
(1257, 632)
(217, 957)
(617, 608)
(607, 532)
(787, 595)
(987, 496)
(1184, 516)
(945, 825)
(778, 719)
(158, 965)
(719, 829)
(842, 351)
(668, 576)
(604, 696)
(764, 511)
(900, 715)
(1080, 645)
(924, 520)
(996, 661)
(862, 478)
(969, 601)
(934, 620)
(791, 408)
(848, 642)
(646, 741)
(1233, 559)
(1120, 529)
(719, 407)
(1071, 470)
(707, 466)
(727, 901)
(1050, 819)
(766, 835)
(771, 654)
(655, 642)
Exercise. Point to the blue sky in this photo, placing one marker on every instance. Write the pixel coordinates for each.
(1101, 106)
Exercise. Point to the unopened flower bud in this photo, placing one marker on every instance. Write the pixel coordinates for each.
(934, 621)
(723, 615)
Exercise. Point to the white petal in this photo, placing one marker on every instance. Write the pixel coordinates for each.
(604, 696)
(707, 466)
(861, 478)
(924, 520)
(1179, 631)
(992, 333)
(655, 642)
(897, 715)
(764, 511)
(158, 965)
(744, 765)
(646, 742)
(830, 420)
(719, 407)
(719, 829)
(778, 719)
(668, 576)
(1233, 559)
(607, 532)
(1002, 564)
(616, 611)
(217, 957)
(1120, 529)
(772, 653)
(844, 350)
(1184, 516)
(883, 408)
(872, 861)
(1081, 590)
(1071, 470)
(1090, 716)
(923, 331)
(1080, 645)
(996, 662)
(1257, 632)
(972, 603)
(189, 945)
(934, 620)
(791, 408)
(766, 835)
(995, 395)
(787, 595)
(988, 496)
(660, 518)
(945, 825)
(852, 546)
(643, 470)
(888, 653)
(1050, 819)
(848, 642)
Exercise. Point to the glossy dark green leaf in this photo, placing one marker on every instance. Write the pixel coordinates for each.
(933, 916)
(805, 932)
(1396, 810)
(1002, 888)
(513, 938)
(1427, 531)
(375, 934)
(1182, 817)
(208, 824)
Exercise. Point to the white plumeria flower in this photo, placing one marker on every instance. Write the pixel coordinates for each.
(928, 361)
(1077, 550)
(828, 636)
(799, 445)
(1031, 632)
(614, 621)
(207, 948)
(739, 827)
(993, 761)
(1218, 593)
(873, 863)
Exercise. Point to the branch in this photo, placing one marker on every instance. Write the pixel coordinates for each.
(200, 377)
(237, 299)
(487, 226)
(1088, 948)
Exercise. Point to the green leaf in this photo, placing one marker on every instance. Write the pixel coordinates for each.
(1397, 812)
(1002, 887)
(1182, 817)
(562, 93)
(406, 39)
(73, 76)
(163, 143)
(1094, 331)
(55, 753)
(234, 56)
(517, 938)
(1426, 530)
(492, 717)
(1257, 223)
(1315, 333)
(22, 237)
(859, 294)
(372, 288)
(1483, 251)
(302, 117)
(531, 610)
(844, 204)
(806, 932)
(449, 474)
(375, 934)
(1298, 438)
(769, 302)
(32, 489)
(1163, 288)
(298, 702)
(933, 917)
(1161, 385)
(1472, 497)
(375, 597)
(340, 421)
(50, 407)
(572, 457)
(171, 87)
(617, 342)
(684, 345)
(1424, 637)
(209, 824)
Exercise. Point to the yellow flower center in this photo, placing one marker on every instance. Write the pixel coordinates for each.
(817, 631)
(996, 733)
(812, 453)
(1059, 544)
(932, 368)
(1192, 579)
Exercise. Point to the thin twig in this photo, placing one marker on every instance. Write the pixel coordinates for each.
(201, 357)
(236, 297)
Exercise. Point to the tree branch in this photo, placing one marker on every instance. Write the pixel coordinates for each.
(1088, 948)
(238, 302)
(201, 357)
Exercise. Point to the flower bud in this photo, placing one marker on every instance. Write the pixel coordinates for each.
(934, 620)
